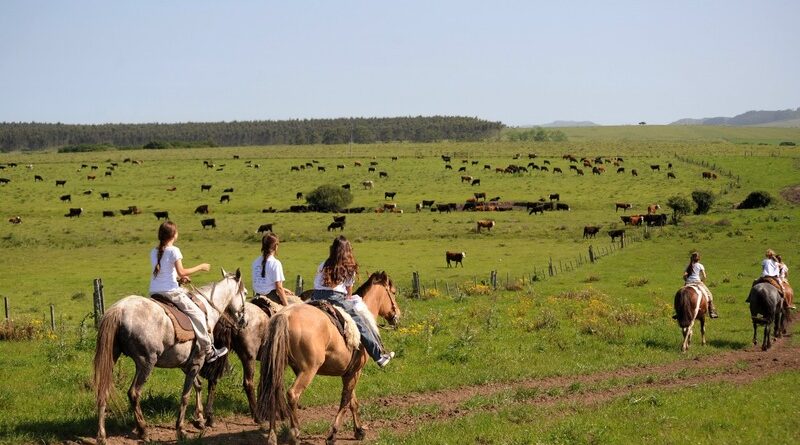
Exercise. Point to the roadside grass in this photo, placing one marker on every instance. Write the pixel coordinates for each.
(761, 411)
(602, 316)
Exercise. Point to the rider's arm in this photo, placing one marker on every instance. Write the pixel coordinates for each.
(186, 272)
(281, 292)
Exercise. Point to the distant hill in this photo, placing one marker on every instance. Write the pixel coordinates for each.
(761, 118)
(569, 124)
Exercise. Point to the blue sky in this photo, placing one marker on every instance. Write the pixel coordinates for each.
(519, 62)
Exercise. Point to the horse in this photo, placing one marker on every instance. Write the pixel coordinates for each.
(765, 300)
(690, 305)
(303, 337)
(139, 328)
(245, 342)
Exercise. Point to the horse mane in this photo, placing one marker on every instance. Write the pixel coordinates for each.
(373, 279)
(683, 307)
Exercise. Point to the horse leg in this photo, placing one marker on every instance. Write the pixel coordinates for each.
(300, 384)
(199, 418)
(349, 381)
(755, 333)
(766, 343)
(685, 344)
(143, 370)
(703, 329)
(248, 368)
(188, 383)
(360, 433)
(212, 391)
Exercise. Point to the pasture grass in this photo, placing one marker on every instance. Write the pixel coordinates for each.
(595, 317)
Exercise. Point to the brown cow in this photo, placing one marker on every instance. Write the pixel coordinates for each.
(590, 231)
(485, 223)
(456, 257)
(622, 205)
(480, 195)
(614, 234)
(466, 179)
(652, 208)
(15, 220)
(389, 206)
(636, 220)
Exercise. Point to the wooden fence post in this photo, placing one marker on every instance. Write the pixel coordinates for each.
(99, 301)
(591, 254)
(52, 318)
(298, 285)
(5, 303)
(415, 292)
(550, 267)
(447, 288)
(493, 279)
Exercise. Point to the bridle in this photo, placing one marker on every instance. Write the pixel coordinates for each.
(240, 322)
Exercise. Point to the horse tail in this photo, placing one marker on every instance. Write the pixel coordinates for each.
(683, 308)
(105, 355)
(274, 357)
(223, 336)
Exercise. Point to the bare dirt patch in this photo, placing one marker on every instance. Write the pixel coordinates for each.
(792, 194)
(738, 367)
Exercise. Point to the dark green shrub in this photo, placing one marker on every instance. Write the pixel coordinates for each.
(787, 144)
(680, 206)
(755, 200)
(156, 145)
(703, 200)
(329, 198)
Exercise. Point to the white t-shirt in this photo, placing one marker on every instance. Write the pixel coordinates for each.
(167, 278)
(274, 272)
(341, 287)
(769, 268)
(697, 272)
(784, 270)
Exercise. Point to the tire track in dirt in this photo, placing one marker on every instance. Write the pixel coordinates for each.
(738, 367)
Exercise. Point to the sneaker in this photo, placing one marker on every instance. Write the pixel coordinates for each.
(385, 359)
(216, 353)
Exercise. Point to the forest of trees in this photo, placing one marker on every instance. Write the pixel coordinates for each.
(39, 136)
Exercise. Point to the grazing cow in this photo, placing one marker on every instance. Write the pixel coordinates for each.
(356, 164)
(485, 223)
(367, 184)
(201, 209)
(37, 178)
(555, 197)
(105, 195)
(652, 208)
(299, 195)
(340, 218)
(543, 168)
(371, 169)
(4, 181)
(108, 213)
(621, 170)
(445, 158)
(427, 203)
(389, 195)
(346, 186)
(336, 225)
(590, 231)
(462, 169)
(476, 182)
(394, 158)
(480, 195)
(495, 199)
(622, 205)
(625, 219)
(579, 171)
(614, 234)
(265, 228)
(224, 198)
(389, 206)
(442, 208)
(475, 162)
(573, 167)
(466, 179)
(656, 220)
(210, 222)
(655, 167)
(91, 178)
(108, 173)
(340, 167)
(66, 198)
(160, 215)
(373, 162)
(448, 167)
(320, 168)
(562, 206)
(15, 220)
(670, 175)
(636, 220)
(87, 192)
(383, 175)
(74, 212)
(295, 168)
(61, 182)
(456, 257)
(228, 190)
(205, 187)
(634, 172)
(487, 167)
(557, 170)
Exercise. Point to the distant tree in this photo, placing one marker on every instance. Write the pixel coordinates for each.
(329, 198)
(680, 206)
(642, 123)
(755, 200)
(704, 200)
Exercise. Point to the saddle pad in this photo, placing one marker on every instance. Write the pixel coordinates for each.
(265, 305)
(180, 321)
(341, 320)
(701, 290)
(771, 280)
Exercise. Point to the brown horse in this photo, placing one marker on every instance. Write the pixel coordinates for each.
(690, 305)
(302, 337)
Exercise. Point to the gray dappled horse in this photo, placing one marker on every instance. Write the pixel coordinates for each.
(690, 305)
(765, 300)
(139, 328)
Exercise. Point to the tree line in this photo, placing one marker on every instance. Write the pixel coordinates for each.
(39, 136)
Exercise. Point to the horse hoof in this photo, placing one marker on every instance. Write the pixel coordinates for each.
(361, 433)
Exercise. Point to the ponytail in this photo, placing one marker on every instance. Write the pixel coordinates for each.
(166, 232)
(269, 244)
(693, 259)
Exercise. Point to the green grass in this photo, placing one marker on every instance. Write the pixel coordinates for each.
(602, 316)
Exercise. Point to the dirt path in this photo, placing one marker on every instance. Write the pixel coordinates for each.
(739, 367)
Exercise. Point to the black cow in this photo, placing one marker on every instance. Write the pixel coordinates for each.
(224, 198)
(442, 208)
(228, 190)
(555, 197)
(456, 257)
(205, 187)
(389, 195)
(201, 209)
(61, 182)
(264, 228)
(66, 198)
(655, 167)
(320, 168)
(476, 182)
(340, 218)
(670, 175)
(346, 186)
(74, 212)
(37, 178)
(210, 222)
(163, 214)
(105, 195)
(614, 234)
(336, 225)
(427, 203)
(590, 231)
(462, 169)
(383, 175)
(4, 181)
(340, 167)
(536, 207)
(108, 213)
(299, 195)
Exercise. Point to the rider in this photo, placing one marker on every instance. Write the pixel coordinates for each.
(783, 272)
(695, 275)
(334, 282)
(268, 275)
(167, 269)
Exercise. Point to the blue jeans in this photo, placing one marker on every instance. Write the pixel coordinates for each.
(371, 340)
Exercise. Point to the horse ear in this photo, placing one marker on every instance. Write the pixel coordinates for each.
(238, 274)
(224, 274)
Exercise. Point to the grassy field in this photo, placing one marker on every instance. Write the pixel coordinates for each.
(608, 315)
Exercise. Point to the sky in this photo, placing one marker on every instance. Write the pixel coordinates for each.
(517, 62)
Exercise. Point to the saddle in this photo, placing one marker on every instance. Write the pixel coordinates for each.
(774, 282)
(265, 304)
(701, 290)
(180, 321)
(344, 324)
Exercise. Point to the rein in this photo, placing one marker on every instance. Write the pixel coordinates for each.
(223, 315)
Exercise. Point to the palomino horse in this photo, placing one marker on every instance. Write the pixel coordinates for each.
(690, 305)
(765, 300)
(246, 343)
(138, 327)
(303, 337)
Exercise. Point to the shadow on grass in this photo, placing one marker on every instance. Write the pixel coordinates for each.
(728, 344)
(662, 344)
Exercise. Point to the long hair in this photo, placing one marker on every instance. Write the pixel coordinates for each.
(166, 232)
(269, 244)
(340, 264)
(693, 259)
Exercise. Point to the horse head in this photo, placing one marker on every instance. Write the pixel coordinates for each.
(387, 303)
(237, 296)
